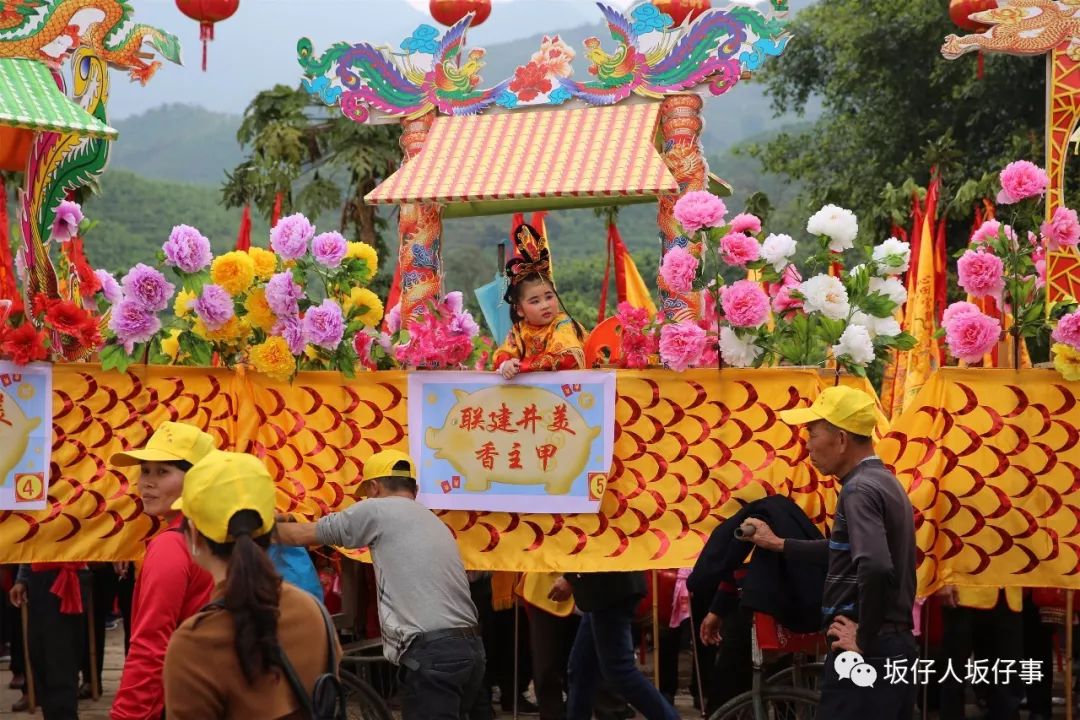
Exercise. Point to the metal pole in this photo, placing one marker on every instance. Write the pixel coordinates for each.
(1068, 655)
(29, 671)
(95, 689)
(517, 641)
(656, 627)
(694, 657)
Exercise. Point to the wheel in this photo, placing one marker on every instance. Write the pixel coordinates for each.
(775, 704)
(361, 700)
(809, 677)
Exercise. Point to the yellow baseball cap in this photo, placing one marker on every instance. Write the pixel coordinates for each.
(846, 408)
(381, 465)
(221, 485)
(171, 441)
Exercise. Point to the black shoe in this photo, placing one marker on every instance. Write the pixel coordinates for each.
(523, 705)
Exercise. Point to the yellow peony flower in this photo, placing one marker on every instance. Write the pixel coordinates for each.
(363, 251)
(1067, 361)
(259, 313)
(171, 345)
(232, 331)
(233, 271)
(273, 358)
(182, 306)
(368, 304)
(265, 262)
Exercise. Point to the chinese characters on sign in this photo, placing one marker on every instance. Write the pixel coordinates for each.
(542, 443)
(25, 435)
(974, 672)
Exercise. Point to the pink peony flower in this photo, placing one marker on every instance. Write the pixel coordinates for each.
(681, 344)
(990, 230)
(109, 287)
(678, 270)
(214, 307)
(745, 304)
(739, 249)
(362, 344)
(131, 323)
(699, 209)
(1068, 330)
(1021, 180)
(956, 310)
(147, 287)
(187, 249)
(324, 325)
(329, 249)
(971, 335)
(1062, 230)
(283, 295)
(454, 302)
(291, 235)
(746, 223)
(291, 328)
(981, 273)
(66, 223)
(1038, 257)
(393, 319)
(785, 303)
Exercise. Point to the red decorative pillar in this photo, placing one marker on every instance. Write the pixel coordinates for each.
(420, 234)
(681, 124)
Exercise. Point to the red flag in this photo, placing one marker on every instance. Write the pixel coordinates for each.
(243, 238)
(9, 290)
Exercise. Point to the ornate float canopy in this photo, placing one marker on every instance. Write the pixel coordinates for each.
(650, 57)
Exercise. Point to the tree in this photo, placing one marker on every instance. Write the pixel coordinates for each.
(317, 160)
(894, 107)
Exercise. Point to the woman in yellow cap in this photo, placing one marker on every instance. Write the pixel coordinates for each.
(170, 587)
(256, 651)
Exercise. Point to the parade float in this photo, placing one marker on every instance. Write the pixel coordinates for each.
(279, 350)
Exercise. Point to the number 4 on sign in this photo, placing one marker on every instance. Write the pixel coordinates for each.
(29, 487)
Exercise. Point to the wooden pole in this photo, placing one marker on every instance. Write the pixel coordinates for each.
(697, 663)
(31, 697)
(1068, 655)
(517, 629)
(656, 627)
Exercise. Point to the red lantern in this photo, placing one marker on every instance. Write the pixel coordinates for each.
(679, 10)
(449, 12)
(961, 10)
(207, 12)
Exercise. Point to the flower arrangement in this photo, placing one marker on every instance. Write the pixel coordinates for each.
(299, 305)
(780, 318)
(444, 337)
(1004, 266)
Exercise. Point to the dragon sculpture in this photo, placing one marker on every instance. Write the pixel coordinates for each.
(717, 48)
(369, 78)
(50, 30)
(1023, 27)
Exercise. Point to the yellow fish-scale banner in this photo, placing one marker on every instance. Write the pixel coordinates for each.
(690, 448)
(991, 462)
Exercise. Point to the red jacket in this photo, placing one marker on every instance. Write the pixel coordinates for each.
(170, 589)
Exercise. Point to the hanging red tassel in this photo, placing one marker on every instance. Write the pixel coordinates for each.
(206, 34)
(243, 238)
(277, 210)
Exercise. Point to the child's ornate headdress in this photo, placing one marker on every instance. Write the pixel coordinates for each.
(535, 256)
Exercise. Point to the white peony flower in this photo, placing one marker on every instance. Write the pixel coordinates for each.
(890, 288)
(876, 326)
(839, 225)
(856, 344)
(826, 295)
(736, 351)
(777, 250)
(893, 256)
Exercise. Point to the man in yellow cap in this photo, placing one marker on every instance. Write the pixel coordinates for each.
(870, 586)
(428, 620)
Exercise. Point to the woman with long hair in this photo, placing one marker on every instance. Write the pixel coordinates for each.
(232, 659)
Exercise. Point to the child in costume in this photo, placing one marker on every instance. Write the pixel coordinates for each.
(543, 336)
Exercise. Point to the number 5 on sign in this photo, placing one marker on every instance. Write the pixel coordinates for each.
(29, 487)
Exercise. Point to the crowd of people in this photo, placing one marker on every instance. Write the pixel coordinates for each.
(226, 616)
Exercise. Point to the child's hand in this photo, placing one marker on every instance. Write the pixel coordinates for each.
(510, 368)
